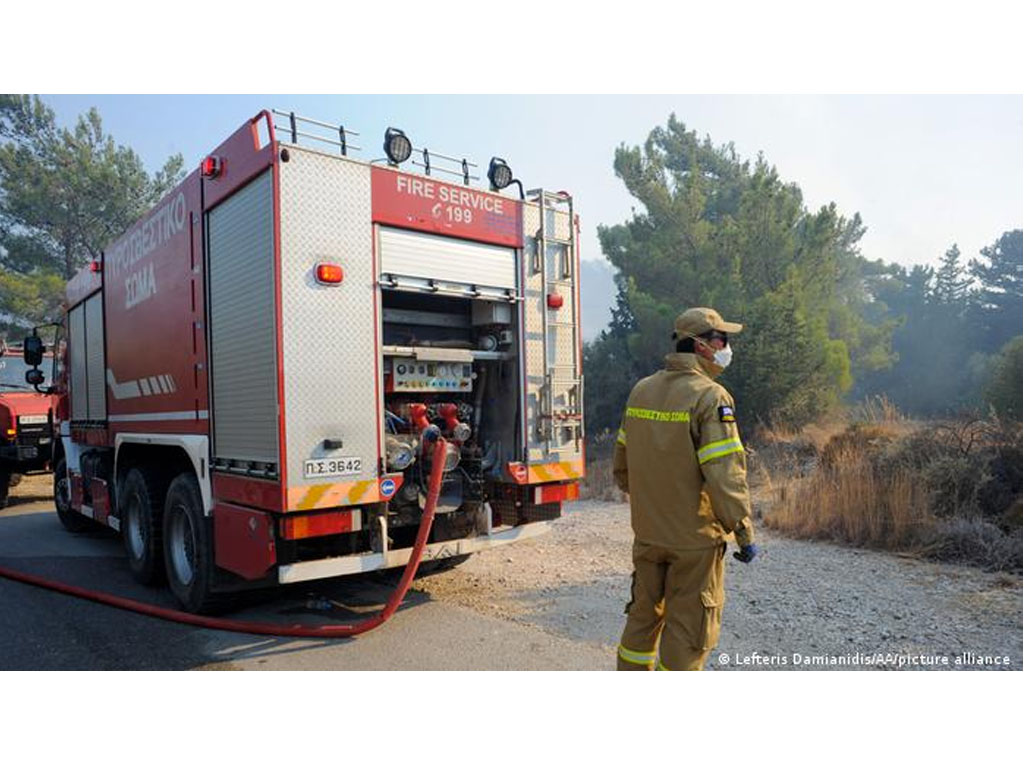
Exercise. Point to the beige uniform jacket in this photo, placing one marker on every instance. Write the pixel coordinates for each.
(680, 459)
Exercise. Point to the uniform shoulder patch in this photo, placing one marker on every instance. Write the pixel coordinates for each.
(726, 413)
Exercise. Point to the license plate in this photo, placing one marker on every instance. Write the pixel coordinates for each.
(42, 419)
(343, 465)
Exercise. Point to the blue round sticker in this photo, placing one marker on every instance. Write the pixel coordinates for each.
(387, 487)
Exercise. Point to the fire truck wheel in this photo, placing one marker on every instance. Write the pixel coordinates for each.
(5, 484)
(188, 548)
(140, 525)
(72, 521)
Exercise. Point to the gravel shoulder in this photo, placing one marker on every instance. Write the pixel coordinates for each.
(800, 605)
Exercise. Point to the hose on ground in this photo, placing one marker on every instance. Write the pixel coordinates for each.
(265, 628)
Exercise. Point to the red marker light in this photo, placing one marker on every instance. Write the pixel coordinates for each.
(329, 274)
(518, 471)
(555, 300)
(94, 266)
(211, 167)
(325, 524)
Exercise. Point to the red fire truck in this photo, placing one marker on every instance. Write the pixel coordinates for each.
(26, 423)
(255, 369)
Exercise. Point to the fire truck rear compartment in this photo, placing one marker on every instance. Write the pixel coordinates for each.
(450, 367)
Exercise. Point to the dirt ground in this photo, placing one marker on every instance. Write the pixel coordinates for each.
(32, 489)
(800, 605)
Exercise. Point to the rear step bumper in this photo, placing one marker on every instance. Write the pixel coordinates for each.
(343, 566)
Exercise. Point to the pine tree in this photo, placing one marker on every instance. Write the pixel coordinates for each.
(952, 283)
(1000, 297)
(714, 230)
(65, 194)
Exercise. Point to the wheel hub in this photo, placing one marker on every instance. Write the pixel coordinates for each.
(182, 546)
(62, 499)
(136, 534)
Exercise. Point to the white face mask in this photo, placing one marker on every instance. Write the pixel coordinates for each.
(723, 356)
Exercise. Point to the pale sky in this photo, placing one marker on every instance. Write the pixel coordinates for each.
(923, 171)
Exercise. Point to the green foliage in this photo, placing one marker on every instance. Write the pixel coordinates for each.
(1000, 303)
(720, 232)
(949, 331)
(35, 296)
(609, 367)
(65, 194)
(1003, 389)
(952, 284)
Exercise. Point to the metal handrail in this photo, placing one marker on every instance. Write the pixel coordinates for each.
(293, 129)
(430, 168)
(427, 166)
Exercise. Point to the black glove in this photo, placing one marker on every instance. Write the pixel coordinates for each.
(747, 553)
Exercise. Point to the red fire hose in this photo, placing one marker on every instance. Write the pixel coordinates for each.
(265, 628)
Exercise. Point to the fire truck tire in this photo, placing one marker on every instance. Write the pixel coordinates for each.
(188, 547)
(141, 530)
(5, 485)
(72, 521)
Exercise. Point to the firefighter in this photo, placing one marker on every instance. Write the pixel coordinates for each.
(679, 457)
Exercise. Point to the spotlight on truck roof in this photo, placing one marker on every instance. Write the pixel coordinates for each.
(397, 146)
(499, 174)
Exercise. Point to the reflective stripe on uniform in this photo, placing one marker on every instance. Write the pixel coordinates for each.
(721, 448)
(622, 437)
(649, 415)
(636, 657)
(662, 668)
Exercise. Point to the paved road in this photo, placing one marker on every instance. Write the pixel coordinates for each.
(43, 630)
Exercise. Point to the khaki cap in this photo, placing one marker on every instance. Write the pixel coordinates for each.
(698, 320)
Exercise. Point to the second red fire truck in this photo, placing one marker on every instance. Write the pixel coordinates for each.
(254, 371)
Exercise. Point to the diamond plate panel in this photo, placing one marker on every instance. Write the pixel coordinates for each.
(329, 334)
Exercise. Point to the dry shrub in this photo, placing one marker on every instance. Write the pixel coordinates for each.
(876, 410)
(977, 542)
(950, 491)
(599, 483)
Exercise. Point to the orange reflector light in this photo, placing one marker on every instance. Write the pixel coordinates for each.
(545, 494)
(324, 524)
(211, 167)
(12, 431)
(329, 274)
(555, 300)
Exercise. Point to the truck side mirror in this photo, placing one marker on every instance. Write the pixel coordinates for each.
(35, 377)
(33, 350)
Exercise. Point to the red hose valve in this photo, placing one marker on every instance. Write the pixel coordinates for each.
(457, 430)
(418, 414)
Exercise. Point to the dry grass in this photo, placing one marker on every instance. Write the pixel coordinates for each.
(599, 484)
(949, 491)
(849, 502)
(871, 477)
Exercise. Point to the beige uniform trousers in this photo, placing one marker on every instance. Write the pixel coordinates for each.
(677, 598)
